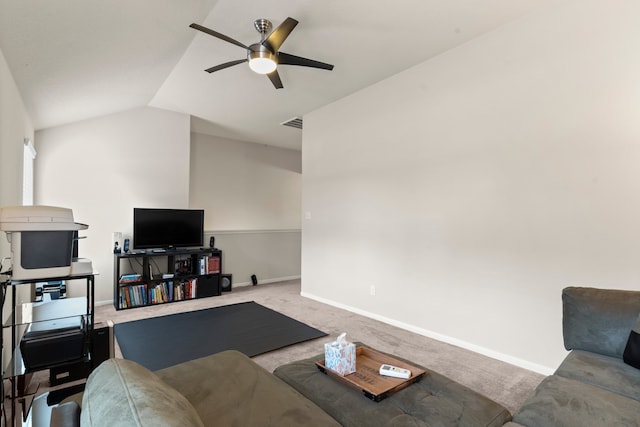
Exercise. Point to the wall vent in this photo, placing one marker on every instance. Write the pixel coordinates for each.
(296, 122)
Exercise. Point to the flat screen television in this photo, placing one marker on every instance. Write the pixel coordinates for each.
(167, 228)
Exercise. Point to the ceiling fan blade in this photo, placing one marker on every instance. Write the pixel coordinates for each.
(280, 34)
(287, 59)
(217, 34)
(275, 79)
(225, 65)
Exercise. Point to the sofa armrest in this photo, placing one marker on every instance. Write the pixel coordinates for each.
(598, 320)
(123, 393)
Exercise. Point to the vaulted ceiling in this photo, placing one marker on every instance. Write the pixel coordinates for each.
(78, 59)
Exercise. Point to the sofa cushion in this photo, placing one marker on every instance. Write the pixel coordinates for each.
(121, 392)
(563, 402)
(609, 373)
(598, 320)
(229, 389)
(631, 355)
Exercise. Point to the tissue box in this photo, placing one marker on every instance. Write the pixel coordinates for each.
(341, 359)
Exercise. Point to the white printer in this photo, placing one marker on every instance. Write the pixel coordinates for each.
(42, 239)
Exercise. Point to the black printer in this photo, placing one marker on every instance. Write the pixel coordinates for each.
(52, 342)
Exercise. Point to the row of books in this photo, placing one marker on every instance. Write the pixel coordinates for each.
(145, 294)
(206, 265)
(209, 265)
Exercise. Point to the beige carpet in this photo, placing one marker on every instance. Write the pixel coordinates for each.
(506, 384)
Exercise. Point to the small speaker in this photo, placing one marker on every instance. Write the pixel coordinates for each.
(103, 343)
(226, 282)
(212, 242)
(254, 279)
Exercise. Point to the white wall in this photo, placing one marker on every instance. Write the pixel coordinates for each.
(243, 185)
(470, 189)
(15, 126)
(272, 255)
(102, 168)
(251, 194)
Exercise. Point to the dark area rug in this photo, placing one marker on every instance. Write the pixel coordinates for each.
(250, 328)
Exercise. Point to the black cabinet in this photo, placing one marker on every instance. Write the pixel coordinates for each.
(209, 285)
(143, 278)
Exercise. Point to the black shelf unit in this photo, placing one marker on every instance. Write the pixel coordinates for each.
(22, 317)
(165, 276)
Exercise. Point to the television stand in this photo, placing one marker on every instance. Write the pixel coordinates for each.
(187, 274)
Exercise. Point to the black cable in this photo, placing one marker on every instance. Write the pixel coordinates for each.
(133, 269)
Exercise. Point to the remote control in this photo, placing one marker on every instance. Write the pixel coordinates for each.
(394, 371)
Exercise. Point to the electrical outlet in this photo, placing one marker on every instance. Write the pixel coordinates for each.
(372, 290)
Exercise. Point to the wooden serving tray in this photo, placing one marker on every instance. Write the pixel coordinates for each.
(367, 378)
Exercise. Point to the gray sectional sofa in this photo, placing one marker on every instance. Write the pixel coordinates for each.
(224, 389)
(593, 386)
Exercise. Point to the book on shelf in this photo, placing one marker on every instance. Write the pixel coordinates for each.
(178, 291)
(152, 295)
(130, 278)
(190, 288)
(212, 264)
(125, 299)
(135, 295)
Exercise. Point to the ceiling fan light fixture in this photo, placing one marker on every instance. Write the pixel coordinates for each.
(261, 60)
(262, 65)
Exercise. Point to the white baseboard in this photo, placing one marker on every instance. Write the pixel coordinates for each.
(544, 370)
(105, 302)
(267, 281)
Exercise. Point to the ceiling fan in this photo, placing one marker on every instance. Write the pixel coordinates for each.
(264, 57)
